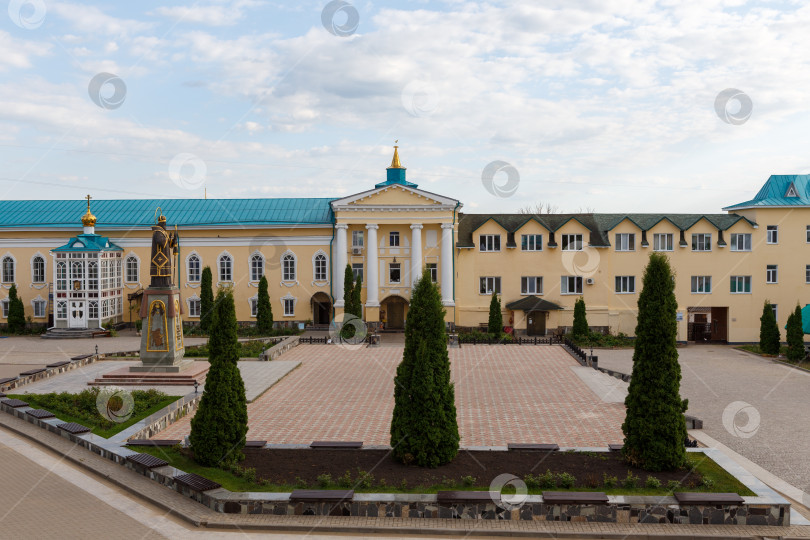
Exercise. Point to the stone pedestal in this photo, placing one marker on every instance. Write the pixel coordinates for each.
(162, 348)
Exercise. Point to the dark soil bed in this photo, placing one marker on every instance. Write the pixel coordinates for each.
(292, 466)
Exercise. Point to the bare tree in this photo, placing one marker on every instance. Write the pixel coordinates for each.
(539, 208)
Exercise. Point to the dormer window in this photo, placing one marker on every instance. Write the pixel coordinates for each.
(791, 191)
(490, 242)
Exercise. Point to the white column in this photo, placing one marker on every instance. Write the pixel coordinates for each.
(447, 264)
(373, 268)
(416, 252)
(340, 263)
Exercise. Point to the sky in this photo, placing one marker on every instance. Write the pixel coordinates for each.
(602, 105)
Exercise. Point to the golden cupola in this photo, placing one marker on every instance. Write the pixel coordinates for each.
(88, 219)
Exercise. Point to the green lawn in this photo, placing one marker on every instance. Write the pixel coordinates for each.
(81, 408)
(718, 478)
(782, 351)
(247, 349)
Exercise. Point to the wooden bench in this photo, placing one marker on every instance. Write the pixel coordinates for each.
(708, 498)
(58, 364)
(147, 461)
(453, 497)
(101, 333)
(74, 428)
(195, 482)
(575, 497)
(80, 357)
(255, 444)
(615, 447)
(326, 495)
(532, 446)
(336, 444)
(32, 372)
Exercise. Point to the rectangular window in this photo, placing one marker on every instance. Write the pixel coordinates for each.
(194, 269)
(740, 242)
(775, 309)
(741, 284)
(433, 270)
(39, 308)
(773, 234)
(701, 284)
(571, 285)
(194, 307)
(807, 232)
(772, 273)
(61, 310)
(488, 285)
(5, 305)
(531, 242)
(394, 273)
(571, 242)
(625, 242)
(92, 310)
(357, 239)
(701, 242)
(531, 285)
(357, 270)
(289, 307)
(393, 239)
(662, 242)
(807, 274)
(625, 284)
(254, 306)
(490, 242)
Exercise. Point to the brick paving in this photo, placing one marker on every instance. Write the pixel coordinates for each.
(503, 394)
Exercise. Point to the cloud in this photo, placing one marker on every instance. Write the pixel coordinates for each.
(224, 13)
(18, 53)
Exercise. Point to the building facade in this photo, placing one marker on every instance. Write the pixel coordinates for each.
(726, 264)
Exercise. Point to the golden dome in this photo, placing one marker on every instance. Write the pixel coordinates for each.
(88, 219)
(395, 164)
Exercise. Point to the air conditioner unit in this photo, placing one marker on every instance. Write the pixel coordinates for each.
(357, 251)
(589, 281)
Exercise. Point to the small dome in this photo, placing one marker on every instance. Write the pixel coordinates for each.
(88, 219)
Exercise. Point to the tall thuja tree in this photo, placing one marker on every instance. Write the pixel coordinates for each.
(357, 303)
(581, 329)
(495, 322)
(424, 428)
(218, 429)
(769, 336)
(347, 331)
(795, 336)
(206, 300)
(264, 311)
(654, 426)
(16, 312)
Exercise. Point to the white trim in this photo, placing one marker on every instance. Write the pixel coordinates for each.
(319, 282)
(38, 298)
(44, 271)
(5, 283)
(126, 258)
(255, 282)
(188, 306)
(250, 305)
(196, 241)
(220, 281)
(188, 282)
(288, 296)
(444, 202)
(289, 282)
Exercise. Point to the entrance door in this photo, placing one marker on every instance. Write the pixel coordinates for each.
(536, 323)
(321, 309)
(396, 315)
(77, 314)
(719, 324)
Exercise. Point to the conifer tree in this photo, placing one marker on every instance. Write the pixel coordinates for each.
(347, 330)
(495, 322)
(218, 429)
(16, 312)
(424, 428)
(581, 329)
(357, 303)
(769, 336)
(654, 426)
(206, 300)
(795, 336)
(264, 311)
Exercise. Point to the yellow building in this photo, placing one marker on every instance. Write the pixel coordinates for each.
(726, 264)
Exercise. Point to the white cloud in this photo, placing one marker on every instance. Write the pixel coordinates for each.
(222, 13)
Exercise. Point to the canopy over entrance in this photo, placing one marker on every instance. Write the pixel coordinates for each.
(532, 303)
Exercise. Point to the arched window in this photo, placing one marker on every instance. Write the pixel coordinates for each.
(132, 269)
(288, 267)
(77, 275)
(225, 268)
(8, 269)
(256, 267)
(193, 265)
(320, 267)
(92, 275)
(38, 269)
(61, 276)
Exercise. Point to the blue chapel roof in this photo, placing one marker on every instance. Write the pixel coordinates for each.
(88, 242)
(776, 190)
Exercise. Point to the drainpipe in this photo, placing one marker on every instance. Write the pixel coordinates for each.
(453, 240)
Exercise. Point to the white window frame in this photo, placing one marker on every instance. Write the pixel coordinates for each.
(189, 277)
(775, 308)
(287, 275)
(253, 302)
(736, 281)
(668, 240)
(701, 284)
(394, 266)
(61, 311)
(191, 301)
(5, 305)
(433, 270)
(740, 238)
(488, 284)
(707, 242)
(61, 281)
(625, 241)
(566, 283)
(325, 270)
(8, 258)
(359, 269)
(531, 242)
(132, 256)
(256, 265)
(34, 279)
(488, 243)
(357, 239)
(772, 274)
(288, 301)
(625, 284)
(43, 304)
(527, 283)
(568, 240)
(772, 234)
(225, 272)
(394, 239)
(92, 310)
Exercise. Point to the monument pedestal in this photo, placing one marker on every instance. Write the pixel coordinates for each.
(162, 348)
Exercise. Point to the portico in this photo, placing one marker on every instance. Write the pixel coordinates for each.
(391, 235)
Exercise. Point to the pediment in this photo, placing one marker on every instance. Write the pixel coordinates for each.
(394, 196)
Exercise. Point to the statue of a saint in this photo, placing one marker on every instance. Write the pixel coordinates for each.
(164, 247)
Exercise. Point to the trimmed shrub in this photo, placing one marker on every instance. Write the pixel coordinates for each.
(495, 323)
(16, 312)
(769, 336)
(264, 311)
(206, 300)
(795, 336)
(581, 329)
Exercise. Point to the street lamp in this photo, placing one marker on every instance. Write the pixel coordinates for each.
(96, 349)
(196, 384)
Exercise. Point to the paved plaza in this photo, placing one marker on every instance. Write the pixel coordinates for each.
(503, 395)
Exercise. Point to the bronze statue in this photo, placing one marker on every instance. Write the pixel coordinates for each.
(164, 248)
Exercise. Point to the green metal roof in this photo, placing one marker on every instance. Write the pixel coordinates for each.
(182, 212)
(88, 242)
(775, 192)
